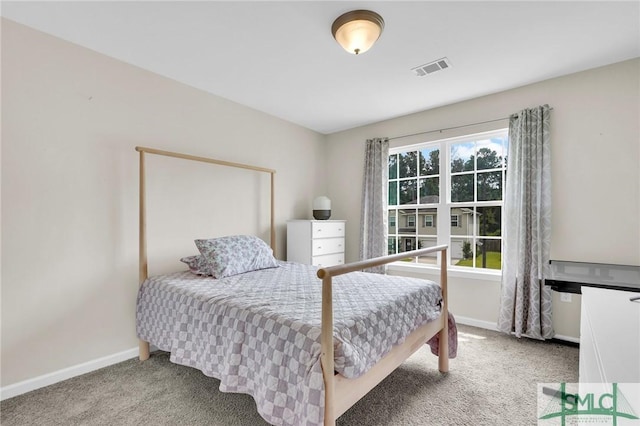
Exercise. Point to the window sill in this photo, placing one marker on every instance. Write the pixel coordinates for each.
(452, 271)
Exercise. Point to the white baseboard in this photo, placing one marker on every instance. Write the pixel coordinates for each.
(493, 326)
(476, 323)
(567, 338)
(64, 374)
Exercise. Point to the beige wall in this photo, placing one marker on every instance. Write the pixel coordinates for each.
(71, 119)
(595, 171)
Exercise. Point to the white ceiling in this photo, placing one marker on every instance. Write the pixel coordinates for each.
(280, 57)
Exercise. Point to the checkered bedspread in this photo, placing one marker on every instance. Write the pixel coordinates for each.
(259, 332)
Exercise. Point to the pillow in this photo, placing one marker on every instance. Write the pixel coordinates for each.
(236, 254)
(197, 264)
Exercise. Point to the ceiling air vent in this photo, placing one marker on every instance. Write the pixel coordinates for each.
(432, 67)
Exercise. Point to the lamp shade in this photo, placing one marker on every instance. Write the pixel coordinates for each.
(322, 208)
(358, 30)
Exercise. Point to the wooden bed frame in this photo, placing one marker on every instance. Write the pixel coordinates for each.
(340, 393)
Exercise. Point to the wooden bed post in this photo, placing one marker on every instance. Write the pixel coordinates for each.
(143, 273)
(273, 212)
(443, 349)
(326, 357)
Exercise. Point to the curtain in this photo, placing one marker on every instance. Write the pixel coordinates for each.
(373, 239)
(525, 304)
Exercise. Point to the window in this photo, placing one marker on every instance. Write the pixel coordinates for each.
(428, 220)
(461, 179)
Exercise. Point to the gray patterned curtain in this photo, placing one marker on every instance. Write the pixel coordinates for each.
(373, 239)
(525, 304)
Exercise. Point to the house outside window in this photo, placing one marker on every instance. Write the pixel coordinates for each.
(454, 189)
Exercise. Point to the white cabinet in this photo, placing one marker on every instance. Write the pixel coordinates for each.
(316, 242)
(609, 336)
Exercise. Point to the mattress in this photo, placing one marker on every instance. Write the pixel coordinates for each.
(259, 332)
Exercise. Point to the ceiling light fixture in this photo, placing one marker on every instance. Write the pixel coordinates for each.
(356, 31)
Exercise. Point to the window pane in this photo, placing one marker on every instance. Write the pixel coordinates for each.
(392, 222)
(489, 186)
(489, 254)
(429, 190)
(407, 221)
(462, 156)
(393, 193)
(426, 242)
(489, 155)
(406, 244)
(463, 221)
(429, 161)
(461, 251)
(490, 221)
(391, 245)
(461, 188)
(408, 164)
(427, 222)
(408, 191)
(393, 166)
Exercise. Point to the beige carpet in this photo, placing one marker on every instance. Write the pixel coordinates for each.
(491, 382)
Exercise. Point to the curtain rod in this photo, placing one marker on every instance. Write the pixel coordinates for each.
(453, 128)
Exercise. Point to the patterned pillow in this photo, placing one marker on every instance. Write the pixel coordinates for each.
(197, 264)
(236, 254)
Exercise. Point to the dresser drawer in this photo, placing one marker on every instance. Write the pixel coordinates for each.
(328, 260)
(322, 246)
(316, 242)
(327, 229)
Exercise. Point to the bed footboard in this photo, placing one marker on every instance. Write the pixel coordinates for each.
(342, 393)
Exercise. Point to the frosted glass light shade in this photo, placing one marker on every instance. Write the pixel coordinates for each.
(358, 30)
(322, 203)
(322, 208)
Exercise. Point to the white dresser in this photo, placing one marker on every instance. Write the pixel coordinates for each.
(316, 242)
(609, 318)
(609, 336)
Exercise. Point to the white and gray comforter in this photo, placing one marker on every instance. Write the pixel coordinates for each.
(259, 332)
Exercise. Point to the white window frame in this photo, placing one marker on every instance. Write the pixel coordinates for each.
(411, 221)
(445, 205)
(457, 217)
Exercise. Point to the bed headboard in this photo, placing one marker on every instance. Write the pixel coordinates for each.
(143, 265)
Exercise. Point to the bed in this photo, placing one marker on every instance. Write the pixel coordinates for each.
(306, 343)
